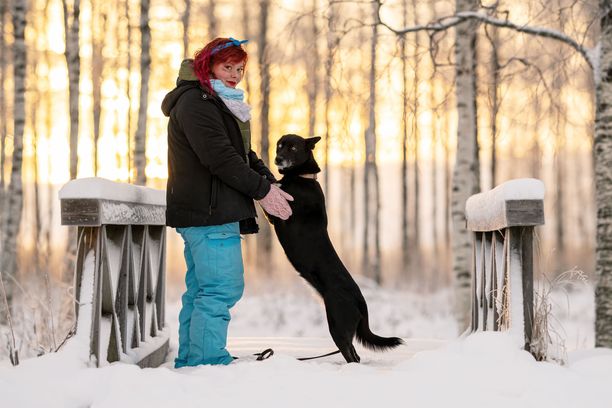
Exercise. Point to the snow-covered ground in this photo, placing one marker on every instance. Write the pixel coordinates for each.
(434, 368)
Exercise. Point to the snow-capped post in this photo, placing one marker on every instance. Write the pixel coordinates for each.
(120, 269)
(502, 221)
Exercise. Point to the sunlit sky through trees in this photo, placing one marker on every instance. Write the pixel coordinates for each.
(520, 121)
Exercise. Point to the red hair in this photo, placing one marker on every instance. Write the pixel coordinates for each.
(204, 61)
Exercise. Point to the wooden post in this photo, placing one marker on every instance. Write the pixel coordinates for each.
(505, 216)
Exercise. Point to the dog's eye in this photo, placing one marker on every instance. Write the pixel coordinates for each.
(293, 149)
(279, 146)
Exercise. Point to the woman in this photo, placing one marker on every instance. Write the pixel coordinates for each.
(213, 178)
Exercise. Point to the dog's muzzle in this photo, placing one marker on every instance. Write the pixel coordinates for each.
(281, 163)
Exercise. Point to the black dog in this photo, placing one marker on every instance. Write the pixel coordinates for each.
(307, 245)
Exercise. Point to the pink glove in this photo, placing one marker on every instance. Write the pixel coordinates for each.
(275, 203)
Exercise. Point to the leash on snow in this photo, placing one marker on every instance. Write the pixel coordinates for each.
(267, 353)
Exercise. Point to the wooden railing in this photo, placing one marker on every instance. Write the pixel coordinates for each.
(502, 221)
(120, 269)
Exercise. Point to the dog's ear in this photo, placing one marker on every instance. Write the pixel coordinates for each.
(312, 141)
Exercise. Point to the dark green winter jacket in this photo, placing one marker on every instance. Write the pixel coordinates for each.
(211, 179)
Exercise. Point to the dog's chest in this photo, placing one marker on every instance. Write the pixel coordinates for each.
(308, 205)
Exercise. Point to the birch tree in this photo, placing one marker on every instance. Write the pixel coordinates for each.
(3, 115)
(128, 84)
(312, 77)
(265, 236)
(492, 34)
(404, 178)
(465, 173)
(185, 20)
(416, 138)
(73, 60)
(371, 195)
(600, 60)
(99, 18)
(140, 139)
(211, 16)
(333, 40)
(14, 206)
(602, 149)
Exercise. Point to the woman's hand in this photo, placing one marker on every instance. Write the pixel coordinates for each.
(276, 203)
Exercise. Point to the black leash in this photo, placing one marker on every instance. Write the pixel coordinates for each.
(321, 356)
(264, 355)
(267, 353)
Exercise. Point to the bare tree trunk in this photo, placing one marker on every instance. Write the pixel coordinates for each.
(494, 98)
(14, 208)
(128, 53)
(405, 184)
(602, 149)
(416, 145)
(97, 70)
(140, 140)
(244, 5)
(33, 117)
(465, 174)
(434, 181)
(332, 43)
(73, 60)
(447, 180)
(536, 151)
(558, 112)
(3, 116)
(312, 78)
(185, 20)
(371, 199)
(264, 242)
(212, 19)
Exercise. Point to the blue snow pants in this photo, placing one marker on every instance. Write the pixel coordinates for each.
(215, 282)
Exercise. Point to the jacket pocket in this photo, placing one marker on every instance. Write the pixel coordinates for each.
(213, 194)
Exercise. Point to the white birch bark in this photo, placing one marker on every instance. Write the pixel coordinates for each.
(416, 111)
(465, 173)
(404, 178)
(602, 149)
(312, 77)
(73, 61)
(246, 30)
(494, 99)
(14, 205)
(128, 85)
(371, 199)
(3, 99)
(140, 139)
(332, 44)
(264, 239)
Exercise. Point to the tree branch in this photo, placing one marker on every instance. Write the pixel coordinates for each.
(445, 23)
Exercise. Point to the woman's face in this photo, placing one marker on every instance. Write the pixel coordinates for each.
(230, 73)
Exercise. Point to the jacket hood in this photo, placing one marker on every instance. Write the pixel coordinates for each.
(186, 80)
(173, 96)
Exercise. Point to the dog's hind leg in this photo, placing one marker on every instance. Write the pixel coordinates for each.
(342, 320)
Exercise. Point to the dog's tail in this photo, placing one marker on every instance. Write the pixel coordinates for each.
(372, 341)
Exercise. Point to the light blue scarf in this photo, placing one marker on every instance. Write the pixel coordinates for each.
(226, 92)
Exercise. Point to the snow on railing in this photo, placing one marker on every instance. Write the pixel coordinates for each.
(503, 221)
(123, 228)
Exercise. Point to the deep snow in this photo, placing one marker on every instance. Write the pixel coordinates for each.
(432, 370)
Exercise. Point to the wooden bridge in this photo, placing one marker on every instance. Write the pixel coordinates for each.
(120, 268)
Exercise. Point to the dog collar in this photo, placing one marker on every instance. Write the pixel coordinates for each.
(310, 176)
